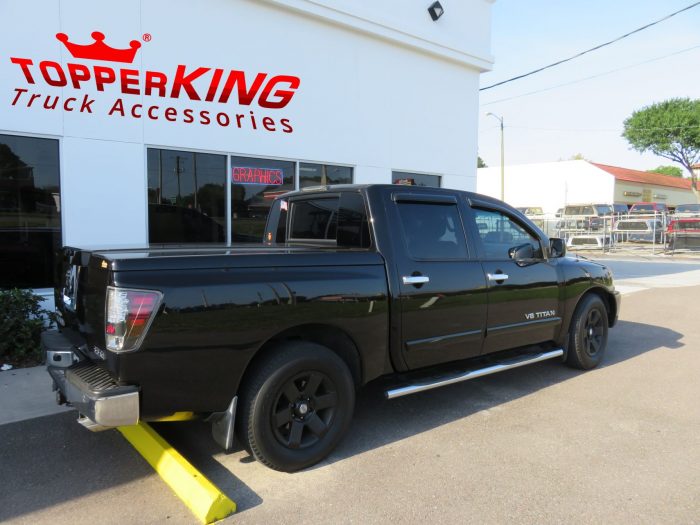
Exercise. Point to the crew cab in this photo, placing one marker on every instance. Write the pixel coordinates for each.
(269, 342)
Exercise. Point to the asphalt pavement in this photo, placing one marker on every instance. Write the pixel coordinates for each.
(539, 444)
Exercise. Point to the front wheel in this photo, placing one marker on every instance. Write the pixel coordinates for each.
(296, 405)
(588, 335)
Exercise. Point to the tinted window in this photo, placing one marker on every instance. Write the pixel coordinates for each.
(415, 179)
(30, 206)
(604, 209)
(432, 231)
(688, 208)
(314, 219)
(255, 184)
(353, 224)
(323, 174)
(499, 233)
(186, 197)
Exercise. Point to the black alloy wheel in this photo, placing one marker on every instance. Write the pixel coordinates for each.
(588, 333)
(304, 410)
(296, 404)
(593, 332)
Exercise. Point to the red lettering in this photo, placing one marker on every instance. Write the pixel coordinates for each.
(150, 112)
(32, 99)
(214, 85)
(47, 103)
(104, 75)
(252, 120)
(19, 94)
(155, 80)
(204, 117)
(133, 110)
(118, 107)
(245, 97)
(284, 95)
(78, 73)
(226, 121)
(66, 107)
(286, 126)
(238, 120)
(183, 81)
(170, 112)
(24, 63)
(189, 119)
(128, 78)
(85, 105)
(44, 68)
(269, 124)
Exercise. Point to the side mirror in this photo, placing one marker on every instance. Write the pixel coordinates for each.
(522, 252)
(557, 248)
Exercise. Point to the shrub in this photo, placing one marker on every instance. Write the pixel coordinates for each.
(21, 321)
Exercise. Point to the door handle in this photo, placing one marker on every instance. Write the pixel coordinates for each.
(415, 279)
(496, 276)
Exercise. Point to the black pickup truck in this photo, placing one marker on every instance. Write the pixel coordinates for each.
(269, 342)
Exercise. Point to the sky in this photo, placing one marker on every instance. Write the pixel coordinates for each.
(583, 117)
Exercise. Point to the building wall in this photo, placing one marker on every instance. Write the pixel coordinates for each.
(668, 195)
(550, 185)
(382, 88)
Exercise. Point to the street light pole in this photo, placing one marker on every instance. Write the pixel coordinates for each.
(500, 119)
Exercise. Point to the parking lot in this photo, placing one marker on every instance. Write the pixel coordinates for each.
(540, 444)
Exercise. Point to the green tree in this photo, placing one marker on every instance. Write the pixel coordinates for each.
(480, 163)
(578, 156)
(671, 171)
(669, 129)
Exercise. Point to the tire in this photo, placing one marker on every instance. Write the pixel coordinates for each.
(296, 406)
(588, 335)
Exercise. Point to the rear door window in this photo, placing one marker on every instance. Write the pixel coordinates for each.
(432, 231)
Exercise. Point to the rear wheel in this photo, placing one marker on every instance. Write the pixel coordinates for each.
(296, 405)
(588, 335)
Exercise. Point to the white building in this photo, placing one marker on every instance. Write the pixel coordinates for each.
(553, 185)
(177, 121)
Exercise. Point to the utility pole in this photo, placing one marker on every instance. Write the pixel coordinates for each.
(503, 155)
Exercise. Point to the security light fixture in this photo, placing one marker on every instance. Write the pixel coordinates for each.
(436, 10)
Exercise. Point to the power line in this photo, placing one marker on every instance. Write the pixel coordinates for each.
(591, 77)
(591, 49)
(593, 130)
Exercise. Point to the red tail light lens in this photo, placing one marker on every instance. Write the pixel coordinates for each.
(129, 313)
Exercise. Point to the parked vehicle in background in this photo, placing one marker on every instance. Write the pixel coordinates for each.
(535, 214)
(648, 208)
(687, 210)
(683, 233)
(620, 209)
(638, 229)
(584, 217)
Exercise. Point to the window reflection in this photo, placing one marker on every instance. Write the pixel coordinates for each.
(186, 197)
(250, 203)
(415, 179)
(323, 174)
(30, 205)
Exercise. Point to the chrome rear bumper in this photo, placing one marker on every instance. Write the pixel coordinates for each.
(100, 400)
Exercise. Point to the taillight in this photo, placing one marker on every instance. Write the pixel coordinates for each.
(128, 315)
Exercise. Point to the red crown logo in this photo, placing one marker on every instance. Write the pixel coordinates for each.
(99, 50)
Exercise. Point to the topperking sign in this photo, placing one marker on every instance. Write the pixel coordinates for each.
(98, 65)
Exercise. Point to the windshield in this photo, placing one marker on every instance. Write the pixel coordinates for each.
(604, 209)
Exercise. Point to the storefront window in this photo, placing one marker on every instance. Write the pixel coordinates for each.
(323, 174)
(186, 197)
(415, 179)
(255, 184)
(30, 211)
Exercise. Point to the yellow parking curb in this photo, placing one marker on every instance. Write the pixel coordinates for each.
(202, 497)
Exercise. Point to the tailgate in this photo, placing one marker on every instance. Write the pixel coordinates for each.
(80, 297)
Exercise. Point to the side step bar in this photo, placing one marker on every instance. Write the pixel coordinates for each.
(472, 374)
